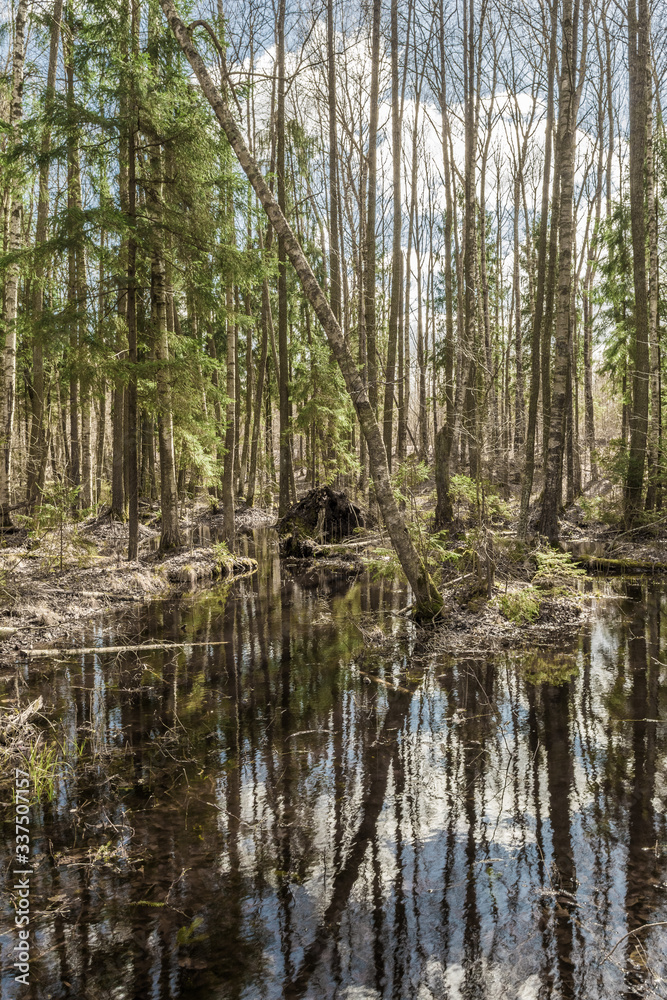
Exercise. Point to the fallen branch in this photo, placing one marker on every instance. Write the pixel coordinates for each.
(337, 546)
(77, 651)
(14, 722)
(380, 680)
(658, 923)
(459, 579)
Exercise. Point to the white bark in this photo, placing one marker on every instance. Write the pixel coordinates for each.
(8, 400)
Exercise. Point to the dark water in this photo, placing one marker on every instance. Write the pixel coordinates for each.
(262, 819)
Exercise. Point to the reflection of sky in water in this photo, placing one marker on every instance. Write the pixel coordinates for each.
(294, 831)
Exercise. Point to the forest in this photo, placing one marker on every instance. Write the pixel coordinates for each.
(475, 190)
(333, 499)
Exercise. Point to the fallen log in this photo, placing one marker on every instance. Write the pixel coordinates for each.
(619, 566)
(140, 648)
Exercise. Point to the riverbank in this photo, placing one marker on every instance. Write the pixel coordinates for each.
(54, 582)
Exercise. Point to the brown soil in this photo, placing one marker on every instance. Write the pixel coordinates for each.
(480, 629)
(50, 588)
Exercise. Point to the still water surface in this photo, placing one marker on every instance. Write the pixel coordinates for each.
(265, 819)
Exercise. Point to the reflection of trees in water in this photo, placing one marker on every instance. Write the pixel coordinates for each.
(642, 871)
(329, 832)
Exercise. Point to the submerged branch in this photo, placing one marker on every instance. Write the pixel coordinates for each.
(76, 651)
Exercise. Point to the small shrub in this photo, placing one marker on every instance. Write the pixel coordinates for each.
(222, 557)
(410, 474)
(439, 554)
(54, 512)
(467, 495)
(520, 606)
(383, 564)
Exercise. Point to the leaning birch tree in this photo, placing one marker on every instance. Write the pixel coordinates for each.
(428, 601)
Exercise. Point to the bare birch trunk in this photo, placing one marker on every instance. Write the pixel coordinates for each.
(369, 241)
(538, 314)
(397, 225)
(8, 399)
(567, 120)
(443, 440)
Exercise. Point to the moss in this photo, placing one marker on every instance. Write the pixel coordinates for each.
(620, 566)
(429, 608)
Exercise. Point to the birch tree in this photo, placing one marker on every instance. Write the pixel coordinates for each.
(428, 601)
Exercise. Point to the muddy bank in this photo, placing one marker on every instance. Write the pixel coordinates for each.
(52, 584)
(484, 628)
(480, 629)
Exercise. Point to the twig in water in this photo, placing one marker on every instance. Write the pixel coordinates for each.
(658, 923)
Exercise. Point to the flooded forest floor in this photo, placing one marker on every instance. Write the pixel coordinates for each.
(278, 786)
(54, 580)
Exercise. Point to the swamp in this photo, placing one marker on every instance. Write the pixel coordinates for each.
(309, 798)
(333, 544)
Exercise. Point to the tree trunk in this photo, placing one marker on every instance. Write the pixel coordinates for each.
(471, 398)
(401, 412)
(653, 497)
(422, 420)
(170, 536)
(101, 434)
(7, 399)
(638, 63)
(117, 512)
(74, 306)
(397, 225)
(285, 452)
(490, 381)
(230, 428)
(369, 241)
(567, 118)
(86, 451)
(334, 211)
(37, 455)
(259, 389)
(81, 456)
(428, 600)
(131, 456)
(549, 301)
(518, 339)
(538, 313)
(589, 417)
(443, 443)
